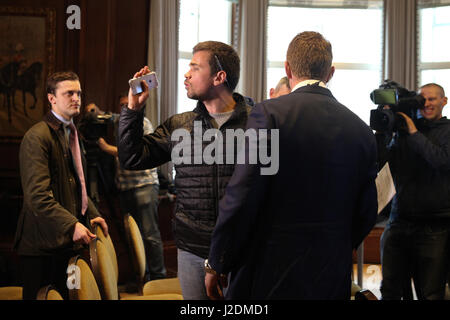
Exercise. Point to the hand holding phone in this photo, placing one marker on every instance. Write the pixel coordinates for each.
(136, 83)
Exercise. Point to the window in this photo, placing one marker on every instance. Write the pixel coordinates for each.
(200, 20)
(357, 51)
(434, 48)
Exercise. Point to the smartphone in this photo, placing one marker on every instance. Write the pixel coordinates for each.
(135, 83)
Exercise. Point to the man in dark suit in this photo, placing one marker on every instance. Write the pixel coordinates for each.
(290, 235)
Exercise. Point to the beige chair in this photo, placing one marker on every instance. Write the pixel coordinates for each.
(137, 251)
(106, 276)
(48, 293)
(103, 268)
(84, 285)
(354, 290)
(110, 247)
(11, 293)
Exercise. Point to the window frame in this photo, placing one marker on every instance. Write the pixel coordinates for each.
(425, 66)
(233, 34)
(348, 66)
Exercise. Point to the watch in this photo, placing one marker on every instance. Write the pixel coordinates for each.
(208, 268)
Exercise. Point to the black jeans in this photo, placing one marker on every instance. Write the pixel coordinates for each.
(142, 204)
(40, 271)
(418, 250)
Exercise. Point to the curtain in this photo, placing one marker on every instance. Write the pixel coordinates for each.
(401, 42)
(253, 49)
(163, 59)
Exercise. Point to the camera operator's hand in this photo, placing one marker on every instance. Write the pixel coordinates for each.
(136, 102)
(106, 147)
(409, 122)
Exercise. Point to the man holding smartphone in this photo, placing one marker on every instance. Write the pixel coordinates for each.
(211, 79)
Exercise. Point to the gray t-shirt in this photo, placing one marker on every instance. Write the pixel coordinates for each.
(218, 119)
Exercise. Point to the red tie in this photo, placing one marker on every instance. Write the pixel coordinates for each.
(76, 155)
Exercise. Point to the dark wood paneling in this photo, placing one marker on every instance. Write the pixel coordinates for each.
(131, 32)
(371, 247)
(93, 51)
(113, 47)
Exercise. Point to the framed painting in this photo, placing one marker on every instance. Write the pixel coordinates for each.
(27, 56)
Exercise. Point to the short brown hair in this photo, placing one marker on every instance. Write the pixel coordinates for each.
(310, 55)
(55, 78)
(227, 57)
(440, 89)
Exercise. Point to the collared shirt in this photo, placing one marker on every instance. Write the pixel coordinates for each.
(60, 118)
(308, 82)
(66, 124)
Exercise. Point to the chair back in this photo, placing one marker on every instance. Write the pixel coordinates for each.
(110, 247)
(48, 293)
(81, 281)
(365, 294)
(10, 293)
(103, 268)
(137, 249)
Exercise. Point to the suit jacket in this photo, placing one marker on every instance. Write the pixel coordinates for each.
(51, 189)
(291, 235)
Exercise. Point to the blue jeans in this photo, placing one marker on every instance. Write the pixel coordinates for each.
(142, 204)
(418, 250)
(191, 274)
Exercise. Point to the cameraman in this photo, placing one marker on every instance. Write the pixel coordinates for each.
(138, 193)
(415, 241)
(101, 167)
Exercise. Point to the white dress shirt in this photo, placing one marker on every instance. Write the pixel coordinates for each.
(309, 81)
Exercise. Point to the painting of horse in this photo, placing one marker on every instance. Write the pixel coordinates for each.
(26, 58)
(8, 81)
(28, 81)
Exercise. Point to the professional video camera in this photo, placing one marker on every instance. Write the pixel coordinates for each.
(101, 166)
(93, 125)
(398, 99)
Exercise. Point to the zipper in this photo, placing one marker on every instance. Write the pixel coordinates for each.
(215, 174)
(216, 198)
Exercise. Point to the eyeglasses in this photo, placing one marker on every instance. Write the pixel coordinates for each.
(221, 69)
